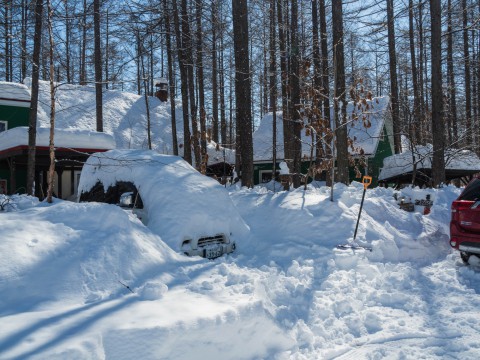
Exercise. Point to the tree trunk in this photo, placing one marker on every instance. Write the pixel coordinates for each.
(67, 42)
(295, 96)
(393, 79)
(187, 153)
(83, 56)
(468, 95)
(325, 85)
(340, 104)
(214, 73)
(273, 88)
(188, 48)
(243, 89)
(201, 87)
(24, 39)
(171, 79)
(416, 94)
(287, 132)
(452, 114)
(51, 169)
(98, 65)
(438, 128)
(32, 119)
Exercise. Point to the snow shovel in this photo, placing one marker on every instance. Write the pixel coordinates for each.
(366, 181)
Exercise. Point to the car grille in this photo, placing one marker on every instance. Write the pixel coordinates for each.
(217, 239)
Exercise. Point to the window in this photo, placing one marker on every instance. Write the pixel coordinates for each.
(3, 126)
(472, 191)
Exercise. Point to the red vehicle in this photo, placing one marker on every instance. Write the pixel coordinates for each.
(465, 222)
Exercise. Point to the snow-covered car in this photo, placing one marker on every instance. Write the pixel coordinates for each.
(465, 221)
(192, 213)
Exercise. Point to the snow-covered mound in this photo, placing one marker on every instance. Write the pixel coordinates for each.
(74, 253)
(180, 202)
(315, 221)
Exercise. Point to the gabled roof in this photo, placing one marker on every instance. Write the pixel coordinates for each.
(365, 125)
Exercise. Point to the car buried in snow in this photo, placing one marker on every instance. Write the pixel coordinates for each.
(465, 221)
(192, 213)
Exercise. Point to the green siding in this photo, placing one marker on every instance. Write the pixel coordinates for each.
(15, 116)
(20, 178)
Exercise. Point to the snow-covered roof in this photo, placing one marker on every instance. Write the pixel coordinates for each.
(455, 159)
(78, 139)
(14, 94)
(365, 125)
(179, 200)
(124, 118)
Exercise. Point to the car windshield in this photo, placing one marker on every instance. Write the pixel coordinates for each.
(472, 191)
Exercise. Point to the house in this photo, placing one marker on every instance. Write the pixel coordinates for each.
(398, 169)
(369, 126)
(72, 147)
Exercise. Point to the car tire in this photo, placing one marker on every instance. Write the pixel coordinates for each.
(465, 257)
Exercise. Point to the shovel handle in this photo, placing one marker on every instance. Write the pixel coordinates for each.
(366, 181)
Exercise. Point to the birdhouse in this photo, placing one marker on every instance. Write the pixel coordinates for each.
(161, 86)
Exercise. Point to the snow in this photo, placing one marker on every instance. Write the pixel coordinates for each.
(169, 187)
(63, 138)
(403, 163)
(89, 281)
(14, 92)
(365, 125)
(124, 116)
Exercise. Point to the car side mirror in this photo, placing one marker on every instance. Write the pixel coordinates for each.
(126, 200)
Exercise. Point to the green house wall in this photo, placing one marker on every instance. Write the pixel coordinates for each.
(14, 115)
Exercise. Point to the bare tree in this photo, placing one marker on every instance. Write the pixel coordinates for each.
(393, 78)
(98, 65)
(438, 128)
(32, 121)
(51, 147)
(243, 98)
(340, 103)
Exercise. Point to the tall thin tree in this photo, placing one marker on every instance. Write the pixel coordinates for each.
(340, 105)
(32, 120)
(98, 65)
(243, 85)
(438, 127)
(393, 78)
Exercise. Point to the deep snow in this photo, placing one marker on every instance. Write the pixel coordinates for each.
(284, 294)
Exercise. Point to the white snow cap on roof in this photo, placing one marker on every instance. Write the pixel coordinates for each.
(365, 125)
(14, 91)
(79, 139)
(403, 163)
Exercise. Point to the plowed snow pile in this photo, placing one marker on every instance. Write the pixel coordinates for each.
(89, 281)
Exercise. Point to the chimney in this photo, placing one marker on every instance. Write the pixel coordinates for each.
(162, 89)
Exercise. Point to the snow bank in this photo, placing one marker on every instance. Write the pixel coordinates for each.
(180, 202)
(74, 253)
(320, 222)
